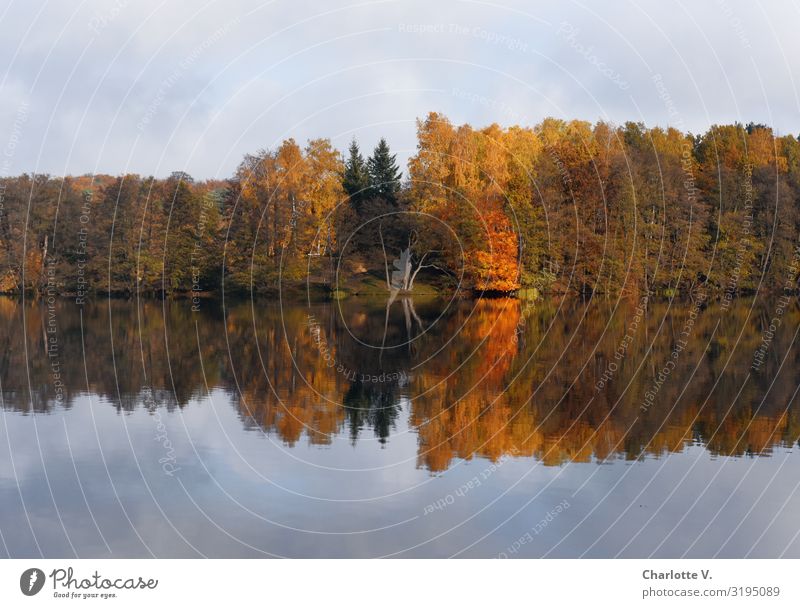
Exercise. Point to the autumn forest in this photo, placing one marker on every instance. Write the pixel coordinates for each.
(560, 207)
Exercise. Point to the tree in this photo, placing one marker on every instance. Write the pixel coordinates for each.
(384, 174)
(325, 192)
(355, 176)
(182, 208)
(459, 181)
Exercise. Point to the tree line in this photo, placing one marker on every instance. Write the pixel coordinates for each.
(563, 206)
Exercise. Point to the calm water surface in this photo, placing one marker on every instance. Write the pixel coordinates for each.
(477, 428)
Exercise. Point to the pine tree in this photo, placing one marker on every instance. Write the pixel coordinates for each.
(384, 175)
(355, 177)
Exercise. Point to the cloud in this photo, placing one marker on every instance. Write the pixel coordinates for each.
(153, 87)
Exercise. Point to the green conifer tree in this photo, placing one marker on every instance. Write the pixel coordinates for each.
(384, 174)
(355, 177)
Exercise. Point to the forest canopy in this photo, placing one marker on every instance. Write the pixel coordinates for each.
(562, 206)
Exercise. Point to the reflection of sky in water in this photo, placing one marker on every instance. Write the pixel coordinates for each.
(243, 493)
(455, 458)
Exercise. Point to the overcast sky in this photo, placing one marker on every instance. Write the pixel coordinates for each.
(150, 87)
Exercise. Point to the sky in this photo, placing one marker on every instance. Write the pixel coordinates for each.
(151, 87)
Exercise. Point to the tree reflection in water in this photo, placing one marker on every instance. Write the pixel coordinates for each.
(487, 377)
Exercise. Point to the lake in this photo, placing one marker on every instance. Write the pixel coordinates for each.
(434, 428)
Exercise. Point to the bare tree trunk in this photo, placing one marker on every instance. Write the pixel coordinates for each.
(416, 272)
(389, 303)
(406, 269)
(407, 314)
(385, 260)
(42, 270)
(414, 314)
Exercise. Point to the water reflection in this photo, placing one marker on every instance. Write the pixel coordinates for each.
(558, 382)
